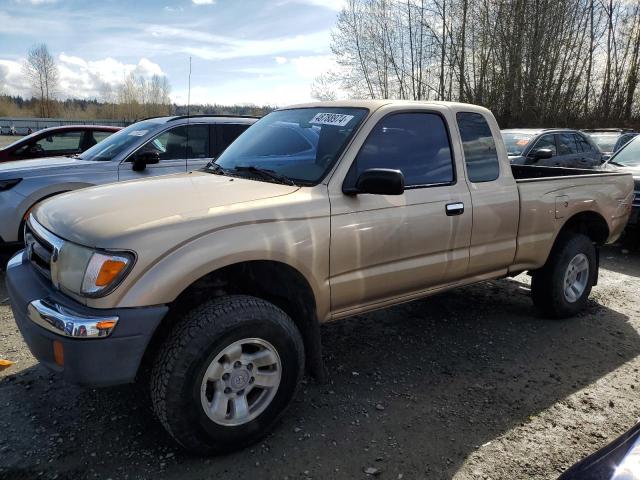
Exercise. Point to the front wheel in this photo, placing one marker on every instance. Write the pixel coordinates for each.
(561, 288)
(226, 374)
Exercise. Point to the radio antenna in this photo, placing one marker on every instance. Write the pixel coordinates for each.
(189, 91)
(186, 147)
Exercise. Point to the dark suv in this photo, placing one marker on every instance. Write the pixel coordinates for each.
(551, 148)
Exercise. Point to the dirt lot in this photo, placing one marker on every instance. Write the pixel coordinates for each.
(467, 384)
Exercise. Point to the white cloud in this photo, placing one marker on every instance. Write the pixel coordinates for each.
(12, 80)
(78, 78)
(37, 2)
(280, 60)
(203, 2)
(312, 66)
(216, 47)
(336, 5)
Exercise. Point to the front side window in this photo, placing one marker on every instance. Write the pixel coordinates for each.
(547, 142)
(60, 142)
(417, 144)
(181, 142)
(300, 144)
(479, 146)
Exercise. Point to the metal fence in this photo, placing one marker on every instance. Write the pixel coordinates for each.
(21, 126)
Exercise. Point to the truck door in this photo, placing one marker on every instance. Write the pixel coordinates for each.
(494, 197)
(385, 246)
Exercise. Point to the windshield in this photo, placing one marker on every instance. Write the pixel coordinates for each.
(120, 141)
(629, 155)
(605, 142)
(516, 142)
(299, 144)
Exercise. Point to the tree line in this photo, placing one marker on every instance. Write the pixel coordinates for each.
(533, 62)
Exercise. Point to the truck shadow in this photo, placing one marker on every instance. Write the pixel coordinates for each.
(414, 389)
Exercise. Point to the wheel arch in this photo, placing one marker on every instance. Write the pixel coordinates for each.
(271, 280)
(588, 222)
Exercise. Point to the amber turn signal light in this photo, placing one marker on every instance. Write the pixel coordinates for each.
(109, 270)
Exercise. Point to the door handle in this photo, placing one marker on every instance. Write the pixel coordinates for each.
(456, 208)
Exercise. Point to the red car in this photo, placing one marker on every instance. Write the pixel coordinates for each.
(56, 142)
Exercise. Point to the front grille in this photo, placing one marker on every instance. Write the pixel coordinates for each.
(636, 199)
(39, 251)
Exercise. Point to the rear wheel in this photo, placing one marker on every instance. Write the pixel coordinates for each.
(227, 373)
(561, 288)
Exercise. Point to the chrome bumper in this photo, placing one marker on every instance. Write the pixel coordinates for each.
(64, 322)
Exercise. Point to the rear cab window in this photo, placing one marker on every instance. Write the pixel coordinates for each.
(479, 147)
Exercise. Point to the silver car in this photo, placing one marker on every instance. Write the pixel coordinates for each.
(157, 146)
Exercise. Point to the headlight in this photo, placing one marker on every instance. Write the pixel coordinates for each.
(104, 272)
(87, 272)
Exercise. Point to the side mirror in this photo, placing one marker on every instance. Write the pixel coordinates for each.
(379, 181)
(541, 154)
(142, 159)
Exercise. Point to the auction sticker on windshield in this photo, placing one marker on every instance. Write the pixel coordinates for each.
(138, 133)
(336, 119)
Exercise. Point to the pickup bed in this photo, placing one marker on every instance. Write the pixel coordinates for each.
(211, 285)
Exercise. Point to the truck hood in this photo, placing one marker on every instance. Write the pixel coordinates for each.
(635, 171)
(109, 216)
(28, 168)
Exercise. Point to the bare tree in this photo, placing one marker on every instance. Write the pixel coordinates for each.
(42, 73)
(533, 62)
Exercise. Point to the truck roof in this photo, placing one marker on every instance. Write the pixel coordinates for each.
(535, 131)
(375, 104)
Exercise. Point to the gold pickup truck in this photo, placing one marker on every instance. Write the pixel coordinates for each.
(212, 284)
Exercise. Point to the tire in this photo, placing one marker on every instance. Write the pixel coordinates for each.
(200, 344)
(548, 284)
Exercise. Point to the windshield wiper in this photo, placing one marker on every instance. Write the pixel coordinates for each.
(614, 163)
(270, 174)
(213, 167)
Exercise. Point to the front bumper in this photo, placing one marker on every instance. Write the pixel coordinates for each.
(92, 355)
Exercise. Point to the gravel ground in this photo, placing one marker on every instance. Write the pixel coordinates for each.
(466, 384)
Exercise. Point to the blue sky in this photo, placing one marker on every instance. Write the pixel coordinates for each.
(243, 51)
